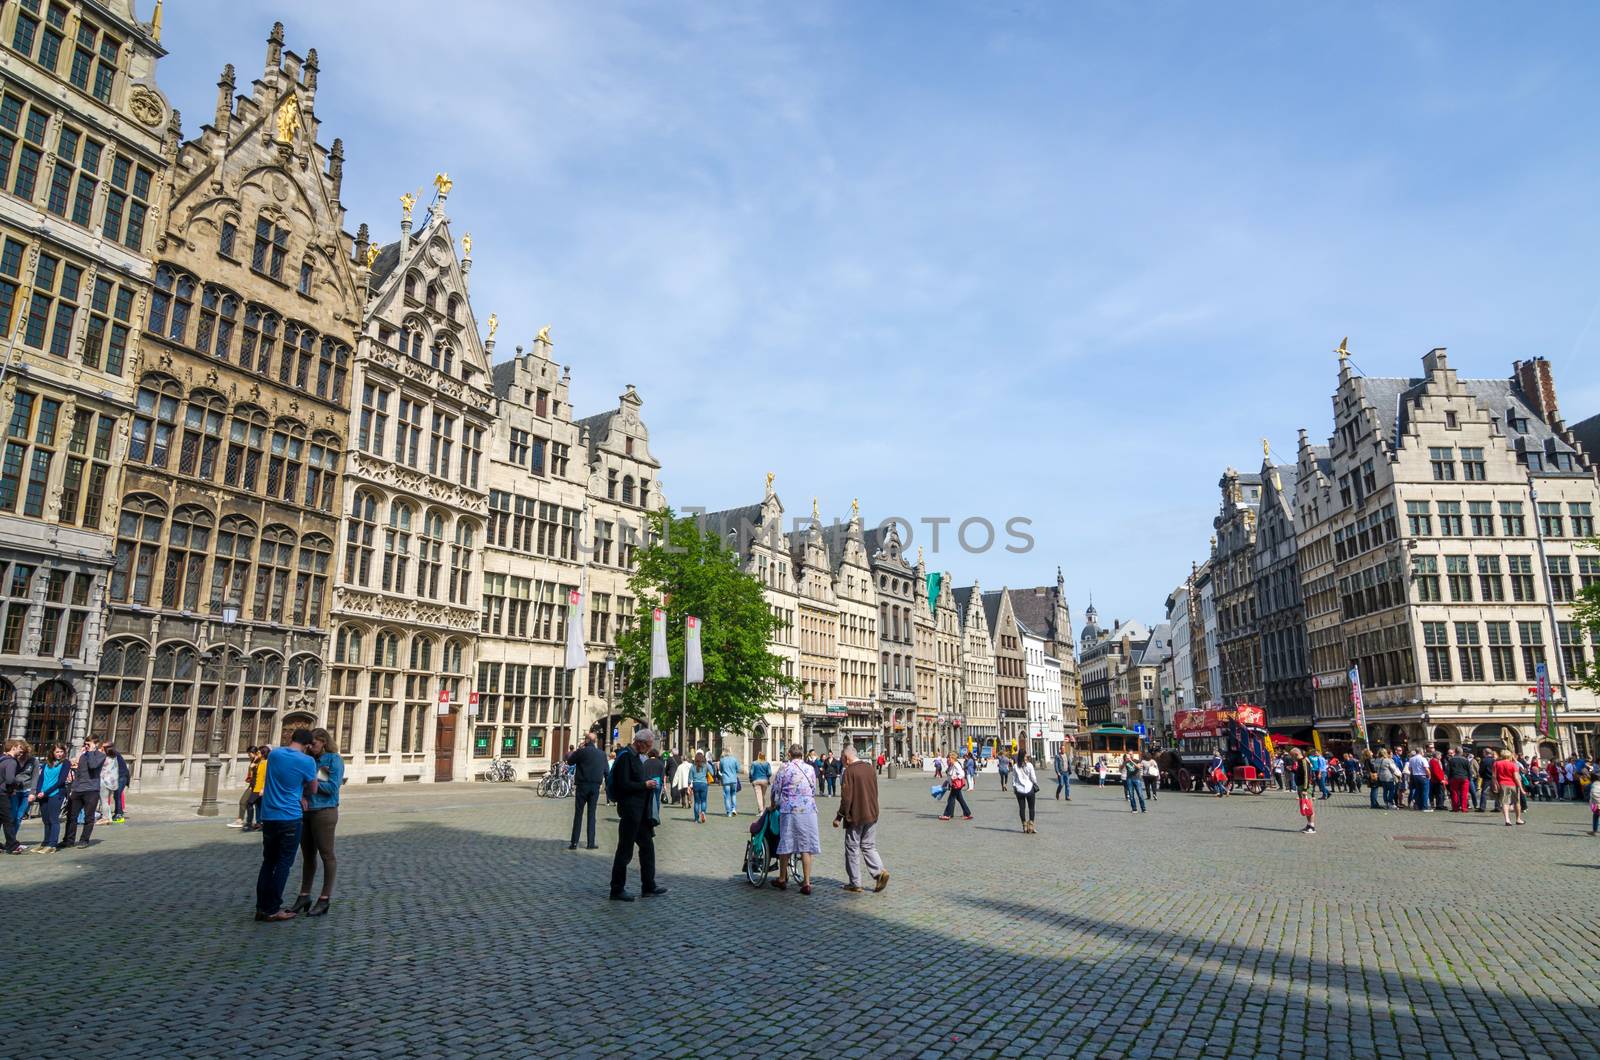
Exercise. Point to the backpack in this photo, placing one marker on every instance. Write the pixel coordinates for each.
(26, 771)
(611, 774)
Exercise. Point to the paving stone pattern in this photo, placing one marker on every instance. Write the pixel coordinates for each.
(463, 927)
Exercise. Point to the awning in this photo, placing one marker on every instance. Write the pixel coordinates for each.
(1288, 741)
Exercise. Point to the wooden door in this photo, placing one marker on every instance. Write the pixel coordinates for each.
(444, 748)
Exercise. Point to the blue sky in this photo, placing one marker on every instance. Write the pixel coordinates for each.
(1063, 261)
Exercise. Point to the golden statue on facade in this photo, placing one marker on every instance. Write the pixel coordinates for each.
(770, 476)
(544, 335)
(466, 245)
(855, 507)
(1266, 450)
(372, 254)
(494, 325)
(407, 201)
(1344, 349)
(442, 183)
(288, 118)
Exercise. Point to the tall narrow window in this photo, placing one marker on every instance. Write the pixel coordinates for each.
(360, 530)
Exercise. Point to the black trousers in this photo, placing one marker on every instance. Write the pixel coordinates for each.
(89, 803)
(1025, 804)
(8, 820)
(587, 796)
(635, 831)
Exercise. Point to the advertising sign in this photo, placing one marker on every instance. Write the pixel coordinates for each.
(1191, 724)
(1358, 706)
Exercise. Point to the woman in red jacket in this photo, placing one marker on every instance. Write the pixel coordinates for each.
(1436, 774)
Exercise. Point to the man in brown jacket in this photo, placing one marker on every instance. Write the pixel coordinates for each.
(858, 810)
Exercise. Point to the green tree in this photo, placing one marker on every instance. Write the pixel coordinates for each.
(687, 572)
(1586, 614)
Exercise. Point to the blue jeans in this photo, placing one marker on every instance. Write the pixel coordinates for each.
(1134, 790)
(1388, 792)
(1422, 788)
(280, 840)
(1064, 785)
(19, 806)
(50, 810)
(1322, 782)
(730, 796)
(700, 794)
(1372, 793)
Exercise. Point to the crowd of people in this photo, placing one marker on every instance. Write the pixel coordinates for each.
(58, 788)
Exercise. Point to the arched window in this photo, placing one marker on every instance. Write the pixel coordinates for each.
(182, 306)
(138, 541)
(188, 544)
(50, 714)
(227, 324)
(413, 283)
(419, 688)
(381, 688)
(304, 286)
(259, 341)
(322, 471)
(219, 312)
(202, 434)
(358, 538)
(412, 332)
(173, 672)
(344, 685)
(627, 489)
(311, 580)
(451, 674)
(161, 299)
(430, 555)
(272, 573)
(154, 419)
(453, 308)
(230, 571)
(263, 687)
(287, 459)
(247, 439)
(461, 562)
(299, 345)
(119, 691)
(397, 547)
(332, 362)
(443, 356)
(433, 295)
(8, 706)
(305, 673)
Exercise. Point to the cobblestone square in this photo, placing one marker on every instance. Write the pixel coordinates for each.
(462, 926)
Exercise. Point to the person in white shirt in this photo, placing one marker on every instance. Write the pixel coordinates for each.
(1152, 778)
(1421, 782)
(1025, 786)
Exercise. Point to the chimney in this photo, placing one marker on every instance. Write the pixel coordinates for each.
(1434, 360)
(1538, 388)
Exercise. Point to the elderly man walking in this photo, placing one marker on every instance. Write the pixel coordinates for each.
(858, 811)
(636, 796)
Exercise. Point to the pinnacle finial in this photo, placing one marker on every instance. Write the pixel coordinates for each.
(155, 22)
(1343, 349)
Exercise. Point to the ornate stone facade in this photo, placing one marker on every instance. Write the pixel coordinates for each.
(979, 700)
(1233, 560)
(1280, 608)
(406, 598)
(897, 673)
(231, 495)
(86, 136)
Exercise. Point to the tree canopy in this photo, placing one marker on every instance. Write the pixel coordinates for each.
(687, 572)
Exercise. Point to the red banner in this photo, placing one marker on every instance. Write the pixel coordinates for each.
(1188, 724)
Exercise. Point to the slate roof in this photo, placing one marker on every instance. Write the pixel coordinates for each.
(501, 376)
(388, 259)
(873, 540)
(991, 609)
(1036, 609)
(963, 599)
(1588, 435)
(1395, 398)
(1150, 654)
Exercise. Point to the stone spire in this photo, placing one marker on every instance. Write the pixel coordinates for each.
(225, 89)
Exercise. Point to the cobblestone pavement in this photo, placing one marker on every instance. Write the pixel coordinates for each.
(463, 927)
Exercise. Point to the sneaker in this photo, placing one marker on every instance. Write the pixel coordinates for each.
(44, 850)
(119, 819)
(1311, 831)
(235, 824)
(1428, 810)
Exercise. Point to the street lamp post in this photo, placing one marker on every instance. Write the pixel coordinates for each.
(611, 685)
(208, 797)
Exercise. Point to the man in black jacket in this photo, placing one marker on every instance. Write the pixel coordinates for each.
(589, 772)
(635, 794)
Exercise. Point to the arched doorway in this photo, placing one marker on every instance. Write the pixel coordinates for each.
(50, 714)
(758, 742)
(8, 706)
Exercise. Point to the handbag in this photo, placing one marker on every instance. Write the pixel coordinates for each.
(958, 783)
(1306, 809)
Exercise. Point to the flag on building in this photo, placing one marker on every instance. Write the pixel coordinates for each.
(659, 666)
(935, 583)
(693, 670)
(577, 657)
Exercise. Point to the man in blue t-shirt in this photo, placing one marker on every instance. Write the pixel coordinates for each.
(291, 781)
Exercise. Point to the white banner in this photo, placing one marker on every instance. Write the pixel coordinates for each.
(693, 669)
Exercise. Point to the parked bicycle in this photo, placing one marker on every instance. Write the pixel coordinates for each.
(556, 784)
(499, 771)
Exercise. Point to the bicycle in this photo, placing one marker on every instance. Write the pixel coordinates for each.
(499, 771)
(556, 784)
